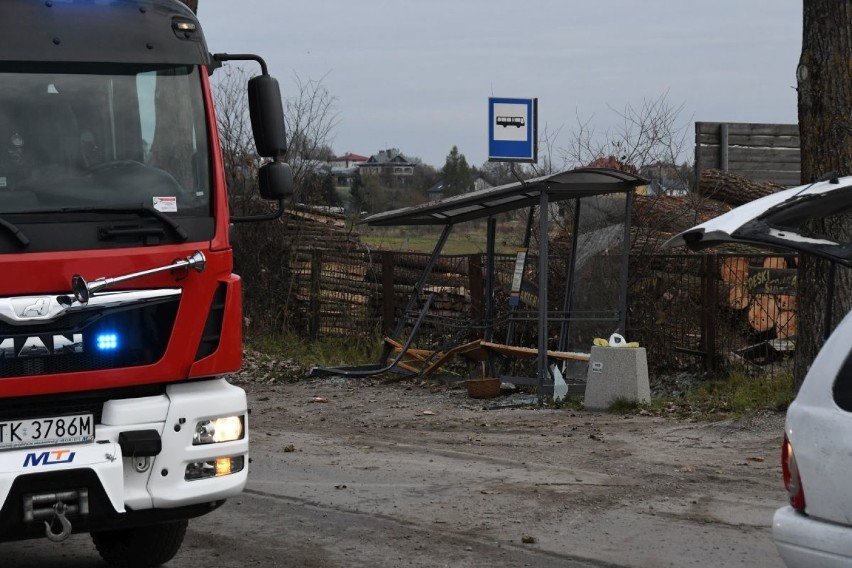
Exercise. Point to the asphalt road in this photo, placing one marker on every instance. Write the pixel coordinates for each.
(259, 529)
(345, 476)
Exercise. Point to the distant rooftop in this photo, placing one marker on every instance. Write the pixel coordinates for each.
(386, 156)
(350, 157)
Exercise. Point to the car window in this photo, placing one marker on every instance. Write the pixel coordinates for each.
(842, 388)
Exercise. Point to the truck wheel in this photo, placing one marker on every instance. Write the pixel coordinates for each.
(140, 547)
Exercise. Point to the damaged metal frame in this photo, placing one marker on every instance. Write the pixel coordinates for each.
(487, 203)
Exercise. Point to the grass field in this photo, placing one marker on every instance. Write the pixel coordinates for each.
(468, 238)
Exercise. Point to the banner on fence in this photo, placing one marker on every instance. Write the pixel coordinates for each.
(517, 279)
(772, 280)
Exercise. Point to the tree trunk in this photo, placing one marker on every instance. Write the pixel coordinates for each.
(193, 5)
(824, 79)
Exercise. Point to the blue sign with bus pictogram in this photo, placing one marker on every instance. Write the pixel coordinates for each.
(512, 130)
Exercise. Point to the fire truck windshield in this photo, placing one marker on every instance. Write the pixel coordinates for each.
(96, 135)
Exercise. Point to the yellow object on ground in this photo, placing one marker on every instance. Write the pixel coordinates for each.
(601, 342)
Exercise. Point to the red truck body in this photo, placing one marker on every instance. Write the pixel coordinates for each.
(119, 308)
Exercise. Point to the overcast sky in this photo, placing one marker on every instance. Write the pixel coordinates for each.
(416, 75)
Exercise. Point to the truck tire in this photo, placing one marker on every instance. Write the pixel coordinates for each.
(140, 547)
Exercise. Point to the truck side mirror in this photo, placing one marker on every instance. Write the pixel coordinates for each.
(275, 180)
(267, 116)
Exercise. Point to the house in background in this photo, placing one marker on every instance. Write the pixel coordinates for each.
(390, 165)
(347, 160)
(344, 168)
(436, 192)
(666, 179)
(480, 182)
(670, 187)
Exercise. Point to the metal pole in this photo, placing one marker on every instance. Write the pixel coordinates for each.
(418, 289)
(489, 290)
(625, 265)
(542, 292)
(569, 285)
(489, 278)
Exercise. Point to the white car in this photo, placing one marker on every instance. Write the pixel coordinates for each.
(815, 529)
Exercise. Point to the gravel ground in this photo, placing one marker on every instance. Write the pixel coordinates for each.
(671, 491)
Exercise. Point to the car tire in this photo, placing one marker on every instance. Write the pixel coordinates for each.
(140, 547)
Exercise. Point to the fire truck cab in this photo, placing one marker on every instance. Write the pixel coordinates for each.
(119, 311)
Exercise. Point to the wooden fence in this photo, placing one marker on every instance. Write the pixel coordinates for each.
(760, 152)
(715, 312)
(693, 312)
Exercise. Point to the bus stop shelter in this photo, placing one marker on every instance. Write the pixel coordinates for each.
(586, 189)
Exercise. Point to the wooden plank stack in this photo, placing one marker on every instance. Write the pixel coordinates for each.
(756, 311)
(766, 311)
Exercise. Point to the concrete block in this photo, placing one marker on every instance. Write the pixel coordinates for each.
(616, 372)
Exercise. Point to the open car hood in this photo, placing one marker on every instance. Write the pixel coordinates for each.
(776, 221)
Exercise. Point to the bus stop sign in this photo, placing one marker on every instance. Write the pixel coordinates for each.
(512, 130)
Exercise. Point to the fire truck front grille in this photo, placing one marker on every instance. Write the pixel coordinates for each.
(90, 340)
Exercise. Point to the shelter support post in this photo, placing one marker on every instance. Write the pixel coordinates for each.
(380, 367)
(418, 289)
(544, 213)
(569, 287)
(625, 264)
(491, 237)
(489, 278)
(421, 283)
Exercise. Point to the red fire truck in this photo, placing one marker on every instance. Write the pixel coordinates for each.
(119, 311)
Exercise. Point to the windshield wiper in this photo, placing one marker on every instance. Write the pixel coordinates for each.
(15, 232)
(140, 209)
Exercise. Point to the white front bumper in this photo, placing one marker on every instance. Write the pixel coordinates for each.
(145, 483)
(809, 543)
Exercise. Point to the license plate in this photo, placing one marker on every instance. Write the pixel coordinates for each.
(56, 430)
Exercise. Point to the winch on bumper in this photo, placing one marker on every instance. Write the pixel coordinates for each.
(157, 458)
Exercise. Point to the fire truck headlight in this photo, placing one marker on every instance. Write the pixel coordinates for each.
(215, 430)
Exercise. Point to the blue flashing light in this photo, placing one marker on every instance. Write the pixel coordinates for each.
(107, 342)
